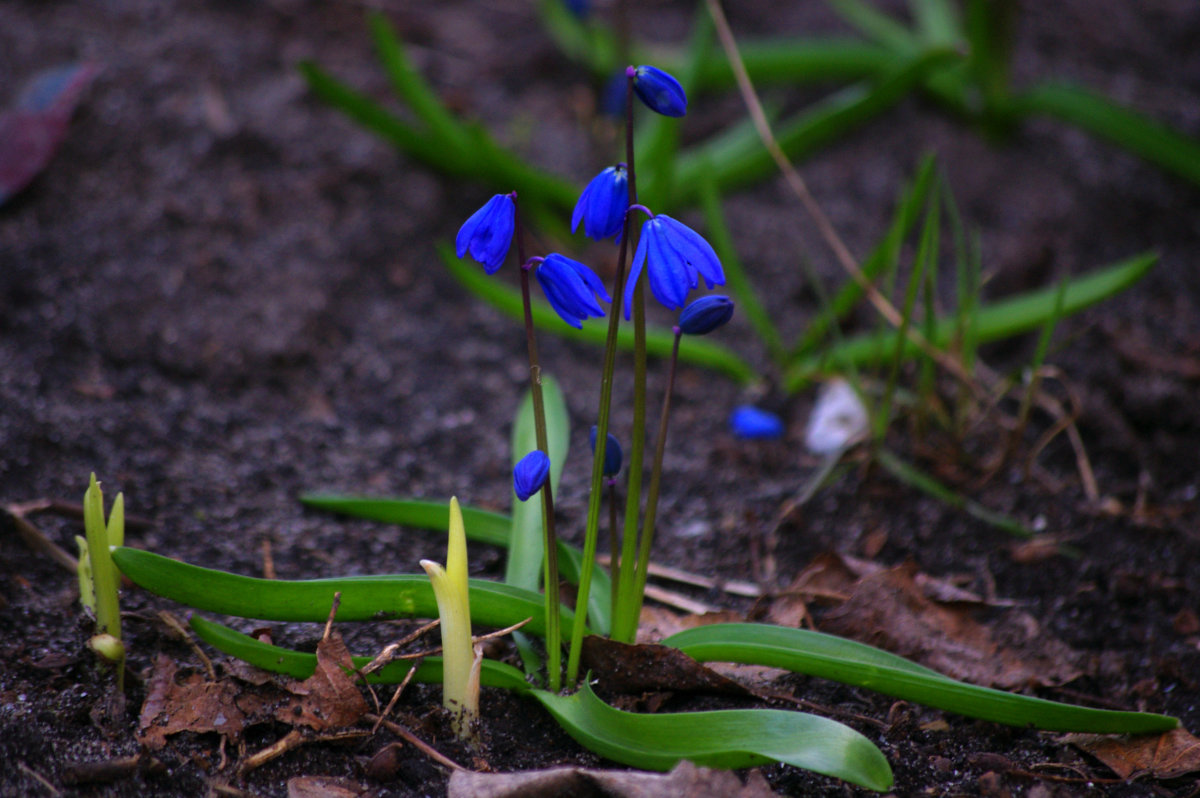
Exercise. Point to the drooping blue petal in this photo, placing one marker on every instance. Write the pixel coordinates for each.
(530, 473)
(706, 314)
(667, 272)
(570, 288)
(488, 233)
(635, 270)
(601, 206)
(752, 423)
(695, 251)
(612, 452)
(660, 91)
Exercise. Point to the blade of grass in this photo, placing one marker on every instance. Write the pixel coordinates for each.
(915, 478)
(730, 738)
(364, 598)
(908, 206)
(821, 123)
(1099, 116)
(995, 321)
(482, 526)
(795, 61)
(300, 665)
(739, 284)
(1035, 368)
(658, 341)
(848, 662)
(875, 25)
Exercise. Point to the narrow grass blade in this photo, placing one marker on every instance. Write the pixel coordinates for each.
(739, 284)
(300, 665)
(937, 21)
(908, 206)
(483, 526)
(848, 662)
(364, 598)
(794, 61)
(506, 299)
(584, 41)
(875, 24)
(915, 478)
(998, 320)
(729, 738)
(1101, 117)
(821, 123)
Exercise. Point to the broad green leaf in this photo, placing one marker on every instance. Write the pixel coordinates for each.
(364, 598)
(507, 300)
(727, 738)
(995, 321)
(483, 526)
(1099, 116)
(848, 662)
(300, 665)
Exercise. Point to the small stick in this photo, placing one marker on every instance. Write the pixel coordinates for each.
(175, 626)
(268, 560)
(292, 740)
(337, 600)
(396, 695)
(39, 778)
(677, 600)
(416, 742)
(733, 587)
(37, 541)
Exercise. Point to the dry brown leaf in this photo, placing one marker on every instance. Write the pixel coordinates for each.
(685, 781)
(328, 699)
(194, 705)
(323, 787)
(1161, 756)
(657, 623)
(646, 668)
(889, 610)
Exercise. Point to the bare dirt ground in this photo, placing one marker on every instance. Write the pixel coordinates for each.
(222, 294)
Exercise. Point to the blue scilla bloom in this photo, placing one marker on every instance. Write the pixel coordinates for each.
(530, 473)
(612, 452)
(659, 91)
(488, 234)
(706, 314)
(602, 204)
(571, 288)
(674, 256)
(751, 423)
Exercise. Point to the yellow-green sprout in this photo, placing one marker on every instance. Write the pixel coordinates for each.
(98, 575)
(460, 660)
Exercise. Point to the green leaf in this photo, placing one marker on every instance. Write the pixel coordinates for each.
(825, 121)
(848, 662)
(995, 321)
(483, 526)
(300, 665)
(658, 341)
(364, 598)
(792, 61)
(1099, 116)
(875, 24)
(728, 738)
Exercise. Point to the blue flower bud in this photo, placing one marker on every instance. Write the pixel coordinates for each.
(488, 234)
(529, 475)
(675, 256)
(706, 314)
(659, 91)
(612, 452)
(602, 204)
(751, 423)
(571, 289)
(580, 8)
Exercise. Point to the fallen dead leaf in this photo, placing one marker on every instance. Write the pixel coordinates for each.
(889, 609)
(1161, 756)
(328, 699)
(196, 705)
(646, 668)
(684, 781)
(323, 787)
(657, 623)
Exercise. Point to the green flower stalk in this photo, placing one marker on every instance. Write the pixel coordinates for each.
(460, 681)
(98, 575)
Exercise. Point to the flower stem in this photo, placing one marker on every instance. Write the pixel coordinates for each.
(592, 532)
(550, 554)
(660, 445)
(625, 618)
(614, 561)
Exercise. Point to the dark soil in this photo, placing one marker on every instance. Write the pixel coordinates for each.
(222, 294)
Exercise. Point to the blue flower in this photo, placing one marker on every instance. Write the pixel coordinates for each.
(488, 234)
(571, 289)
(580, 8)
(751, 423)
(612, 452)
(602, 204)
(677, 255)
(529, 475)
(706, 314)
(659, 91)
